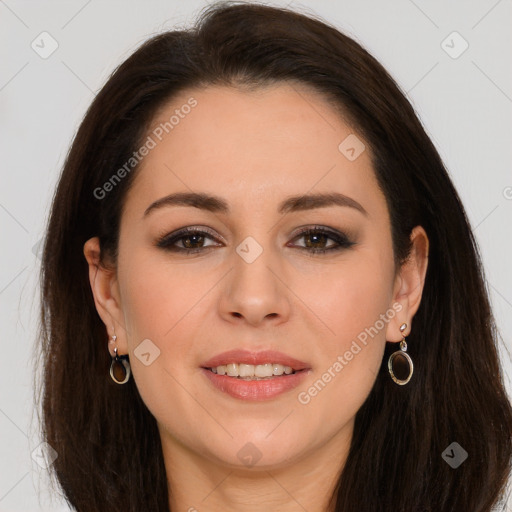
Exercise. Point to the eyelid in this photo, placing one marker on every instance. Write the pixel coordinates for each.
(341, 239)
(318, 227)
(164, 239)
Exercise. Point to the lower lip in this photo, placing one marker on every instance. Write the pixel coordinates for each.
(255, 390)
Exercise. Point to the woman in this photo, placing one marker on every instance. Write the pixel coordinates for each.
(261, 291)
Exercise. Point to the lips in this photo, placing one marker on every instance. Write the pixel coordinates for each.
(255, 390)
(255, 358)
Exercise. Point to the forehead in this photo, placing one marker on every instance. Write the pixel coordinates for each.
(273, 141)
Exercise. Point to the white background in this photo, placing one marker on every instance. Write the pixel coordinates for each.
(464, 103)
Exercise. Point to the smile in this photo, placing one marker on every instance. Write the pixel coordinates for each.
(253, 372)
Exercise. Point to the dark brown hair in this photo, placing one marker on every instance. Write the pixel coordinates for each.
(109, 452)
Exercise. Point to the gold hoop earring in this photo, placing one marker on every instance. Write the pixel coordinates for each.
(120, 370)
(399, 363)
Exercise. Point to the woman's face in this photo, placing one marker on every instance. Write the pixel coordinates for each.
(254, 283)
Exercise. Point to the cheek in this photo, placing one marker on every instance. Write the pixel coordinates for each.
(161, 307)
(156, 299)
(156, 296)
(349, 296)
(356, 308)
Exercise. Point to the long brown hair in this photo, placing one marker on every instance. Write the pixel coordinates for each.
(109, 451)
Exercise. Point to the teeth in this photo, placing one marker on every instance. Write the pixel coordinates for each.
(252, 372)
(232, 370)
(246, 370)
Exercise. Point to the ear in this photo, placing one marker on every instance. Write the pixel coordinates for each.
(105, 289)
(408, 286)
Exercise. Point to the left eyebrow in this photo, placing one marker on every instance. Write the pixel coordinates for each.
(291, 204)
(311, 201)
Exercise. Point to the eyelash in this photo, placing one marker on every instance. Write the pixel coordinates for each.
(166, 242)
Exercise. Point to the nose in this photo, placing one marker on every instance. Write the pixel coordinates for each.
(256, 292)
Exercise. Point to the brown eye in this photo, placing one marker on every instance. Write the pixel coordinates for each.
(191, 239)
(317, 238)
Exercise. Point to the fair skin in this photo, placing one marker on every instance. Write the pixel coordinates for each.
(254, 150)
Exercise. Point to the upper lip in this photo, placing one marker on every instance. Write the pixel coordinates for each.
(255, 358)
